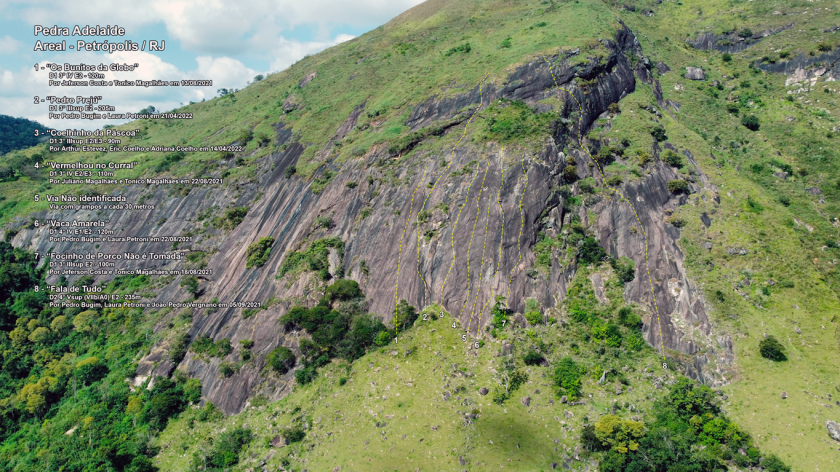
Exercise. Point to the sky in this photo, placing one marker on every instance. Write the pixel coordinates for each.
(227, 41)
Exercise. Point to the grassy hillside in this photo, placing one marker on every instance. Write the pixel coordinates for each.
(766, 258)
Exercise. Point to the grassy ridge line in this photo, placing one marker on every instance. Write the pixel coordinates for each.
(621, 197)
(380, 74)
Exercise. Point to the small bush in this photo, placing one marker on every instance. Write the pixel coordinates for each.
(465, 48)
(351, 184)
(506, 43)
(678, 186)
(258, 252)
(567, 377)
(658, 134)
(625, 269)
(231, 218)
(423, 216)
(590, 252)
(191, 284)
(629, 319)
(745, 33)
(772, 463)
(533, 358)
(727, 57)
(294, 434)
(604, 155)
(823, 47)
(614, 108)
(281, 359)
(615, 181)
(673, 159)
(324, 222)
(750, 122)
(570, 174)
(226, 369)
(771, 348)
(341, 290)
(178, 349)
(290, 171)
(226, 449)
(245, 136)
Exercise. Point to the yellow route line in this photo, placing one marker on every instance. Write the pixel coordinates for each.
(452, 235)
(521, 227)
(619, 194)
(501, 208)
(502, 238)
(481, 266)
(443, 171)
(472, 235)
(399, 258)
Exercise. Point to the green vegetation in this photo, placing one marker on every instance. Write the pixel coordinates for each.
(688, 416)
(590, 252)
(533, 358)
(63, 385)
(678, 186)
(624, 268)
(191, 284)
(510, 378)
(658, 134)
(510, 121)
(225, 452)
(750, 122)
(532, 312)
(500, 317)
(204, 345)
(258, 252)
(673, 159)
(464, 48)
(18, 133)
(281, 359)
(314, 258)
(231, 218)
(324, 222)
(567, 378)
(337, 330)
(771, 348)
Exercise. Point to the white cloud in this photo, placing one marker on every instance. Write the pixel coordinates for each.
(224, 71)
(286, 53)
(17, 88)
(220, 27)
(9, 45)
(223, 33)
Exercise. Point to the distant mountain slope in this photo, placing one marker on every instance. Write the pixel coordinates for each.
(18, 133)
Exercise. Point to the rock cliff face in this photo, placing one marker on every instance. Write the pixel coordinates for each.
(460, 257)
(733, 41)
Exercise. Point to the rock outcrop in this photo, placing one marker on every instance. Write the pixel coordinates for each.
(733, 41)
(431, 259)
(695, 73)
